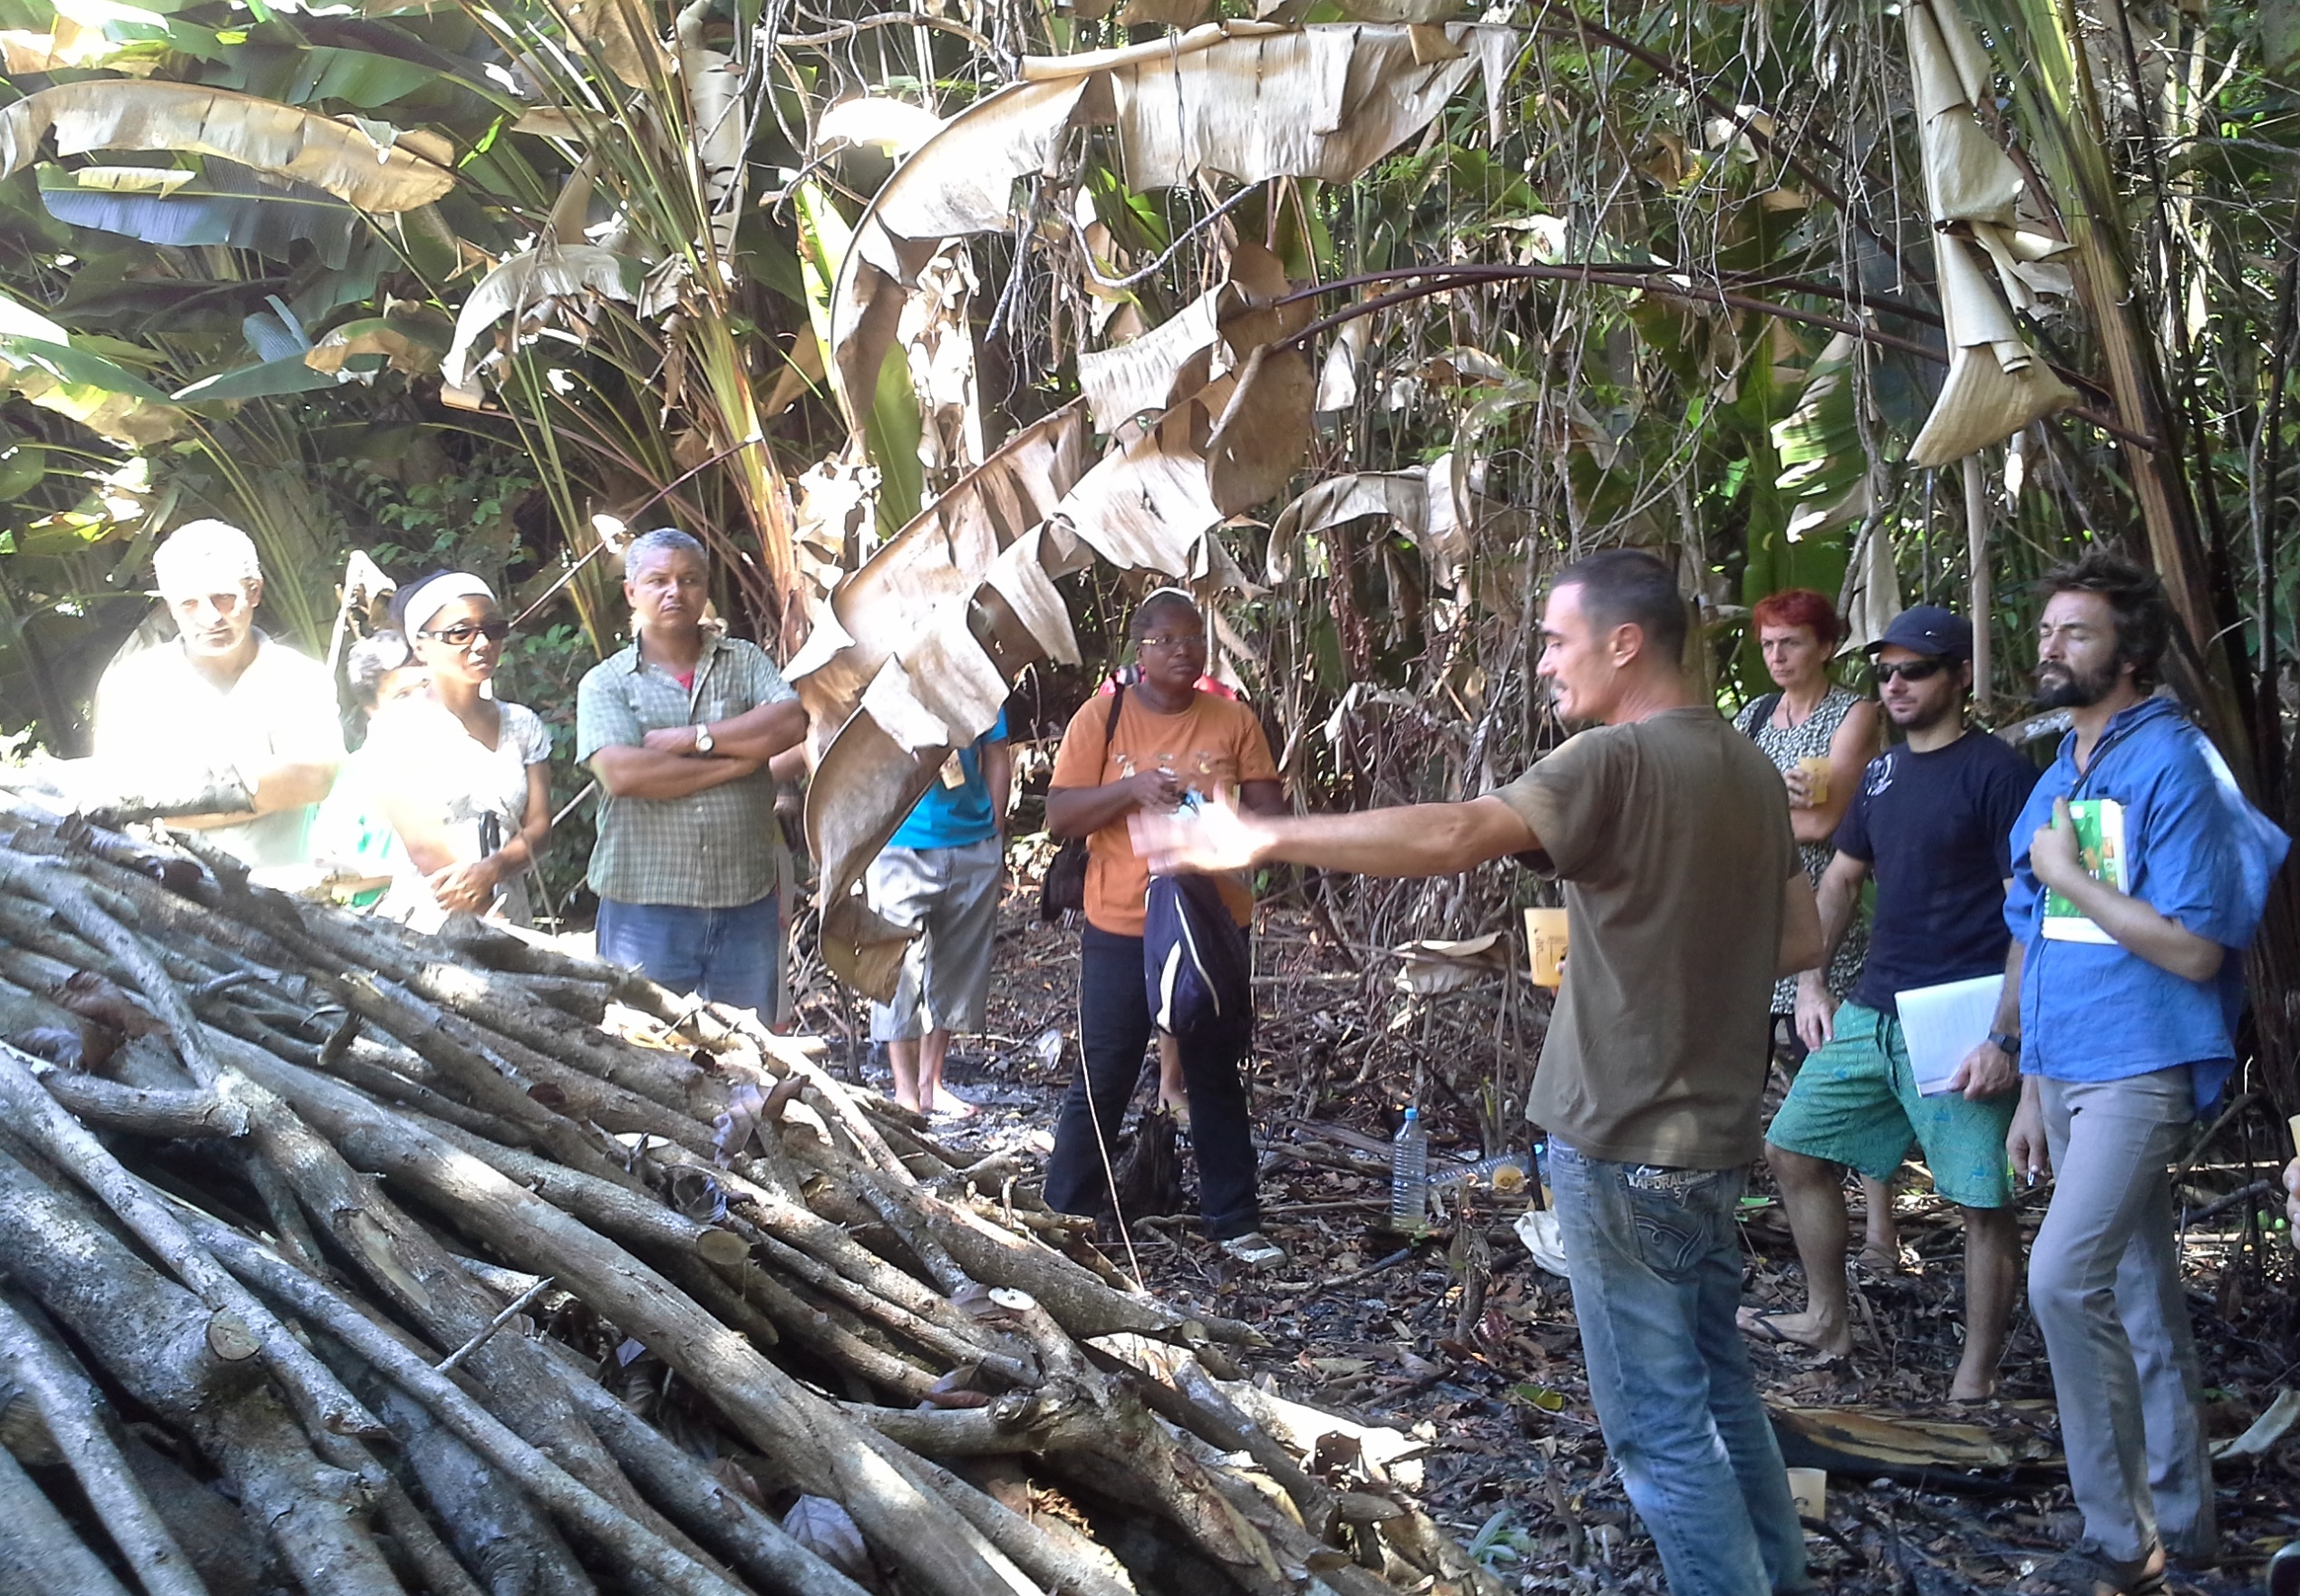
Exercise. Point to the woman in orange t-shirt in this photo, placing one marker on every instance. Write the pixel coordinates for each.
(1170, 738)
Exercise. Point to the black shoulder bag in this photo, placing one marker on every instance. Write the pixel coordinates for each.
(1063, 890)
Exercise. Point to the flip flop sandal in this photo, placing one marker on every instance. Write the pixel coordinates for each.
(1763, 1331)
(1254, 1249)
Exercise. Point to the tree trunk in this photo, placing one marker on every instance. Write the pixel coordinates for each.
(152, 1336)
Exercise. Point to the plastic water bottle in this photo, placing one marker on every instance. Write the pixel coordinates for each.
(1410, 1174)
(1504, 1172)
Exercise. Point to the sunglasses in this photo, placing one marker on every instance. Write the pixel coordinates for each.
(1908, 670)
(462, 635)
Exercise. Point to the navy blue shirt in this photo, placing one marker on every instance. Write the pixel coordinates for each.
(2200, 855)
(1934, 830)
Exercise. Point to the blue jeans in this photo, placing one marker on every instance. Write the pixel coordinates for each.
(1655, 1265)
(723, 955)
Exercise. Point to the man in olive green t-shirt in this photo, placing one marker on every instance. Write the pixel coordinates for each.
(1686, 899)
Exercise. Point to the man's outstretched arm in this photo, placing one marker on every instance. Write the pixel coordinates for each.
(1410, 839)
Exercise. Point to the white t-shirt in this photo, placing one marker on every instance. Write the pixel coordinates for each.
(156, 709)
(422, 749)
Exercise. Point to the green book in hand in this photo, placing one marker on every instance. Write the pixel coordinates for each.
(2099, 839)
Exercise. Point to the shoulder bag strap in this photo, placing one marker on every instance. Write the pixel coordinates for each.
(1109, 727)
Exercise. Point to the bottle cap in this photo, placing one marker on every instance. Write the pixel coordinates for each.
(1411, 1115)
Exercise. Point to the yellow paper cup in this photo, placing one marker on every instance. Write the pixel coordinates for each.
(1546, 945)
(1810, 1488)
(1815, 770)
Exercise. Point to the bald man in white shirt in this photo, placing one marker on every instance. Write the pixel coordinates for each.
(222, 704)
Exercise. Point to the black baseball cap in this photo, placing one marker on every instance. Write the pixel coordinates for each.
(1928, 629)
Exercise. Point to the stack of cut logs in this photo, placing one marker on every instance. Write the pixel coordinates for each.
(339, 1260)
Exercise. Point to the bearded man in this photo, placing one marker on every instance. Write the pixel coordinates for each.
(1930, 822)
(2128, 1017)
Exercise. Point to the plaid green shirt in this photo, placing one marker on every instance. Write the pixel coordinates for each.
(710, 850)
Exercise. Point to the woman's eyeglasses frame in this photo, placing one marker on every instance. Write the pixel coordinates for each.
(465, 634)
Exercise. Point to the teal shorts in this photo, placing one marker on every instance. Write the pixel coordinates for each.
(1855, 1102)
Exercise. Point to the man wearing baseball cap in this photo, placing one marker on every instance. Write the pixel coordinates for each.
(1932, 819)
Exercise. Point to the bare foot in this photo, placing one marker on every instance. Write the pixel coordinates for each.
(951, 1106)
(1802, 1330)
(1967, 1387)
(1884, 1257)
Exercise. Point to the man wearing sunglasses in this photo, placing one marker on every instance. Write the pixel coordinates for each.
(1932, 821)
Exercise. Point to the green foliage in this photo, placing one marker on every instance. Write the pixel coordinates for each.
(1746, 163)
(458, 516)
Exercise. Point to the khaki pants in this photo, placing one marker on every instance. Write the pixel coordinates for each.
(951, 895)
(2104, 1281)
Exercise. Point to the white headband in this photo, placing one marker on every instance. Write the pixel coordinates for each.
(430, 597)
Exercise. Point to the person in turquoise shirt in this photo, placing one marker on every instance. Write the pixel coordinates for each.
(940, 875)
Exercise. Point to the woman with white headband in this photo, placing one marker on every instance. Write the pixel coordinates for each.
(465, 779)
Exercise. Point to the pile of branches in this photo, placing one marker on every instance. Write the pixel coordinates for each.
(340, 1259)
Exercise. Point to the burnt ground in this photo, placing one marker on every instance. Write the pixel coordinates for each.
(1464, 1343)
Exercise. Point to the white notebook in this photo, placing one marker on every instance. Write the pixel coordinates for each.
(1943, 1023)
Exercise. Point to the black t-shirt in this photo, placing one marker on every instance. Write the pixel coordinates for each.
(1935, 829)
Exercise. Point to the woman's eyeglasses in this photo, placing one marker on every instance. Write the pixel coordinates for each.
(1908, 670)
(1179, 639)
(462, 633)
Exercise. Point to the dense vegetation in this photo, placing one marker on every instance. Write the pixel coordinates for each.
(448, 282)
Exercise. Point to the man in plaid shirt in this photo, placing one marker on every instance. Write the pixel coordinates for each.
(679, 728)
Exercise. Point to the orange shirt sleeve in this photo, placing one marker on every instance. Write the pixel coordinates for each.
(1252, 750)
(1080, 761)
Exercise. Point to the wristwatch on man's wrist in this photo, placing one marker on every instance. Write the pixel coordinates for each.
(704, 743)
(2007, 1042)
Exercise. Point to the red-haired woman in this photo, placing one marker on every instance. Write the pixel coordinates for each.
(1810, 717)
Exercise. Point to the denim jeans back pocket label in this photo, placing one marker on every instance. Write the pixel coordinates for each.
(1661, 1177)
(1675, 1212)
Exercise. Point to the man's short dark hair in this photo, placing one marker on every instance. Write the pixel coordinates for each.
(1629, 587)
(2136, 598)
(663, 540)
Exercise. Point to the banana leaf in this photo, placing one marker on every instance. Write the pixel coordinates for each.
(270, 379)
(222, 202)
(350, 162)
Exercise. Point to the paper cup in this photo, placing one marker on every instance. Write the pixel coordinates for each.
(1810, 1488)
(1546, 945)
(1816, 770)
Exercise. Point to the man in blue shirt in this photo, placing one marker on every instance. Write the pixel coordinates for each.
(940, 873)
(2128, 1035)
